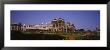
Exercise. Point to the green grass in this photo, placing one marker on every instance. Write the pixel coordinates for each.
(78, 35)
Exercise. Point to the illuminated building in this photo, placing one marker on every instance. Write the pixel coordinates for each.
(56, 25)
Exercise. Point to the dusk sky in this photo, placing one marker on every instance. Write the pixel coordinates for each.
(82, 19)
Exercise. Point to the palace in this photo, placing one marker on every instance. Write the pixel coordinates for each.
(56, 25)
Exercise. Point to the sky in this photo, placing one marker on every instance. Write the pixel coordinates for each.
(82, 19)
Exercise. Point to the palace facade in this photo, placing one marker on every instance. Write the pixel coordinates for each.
(56, 25)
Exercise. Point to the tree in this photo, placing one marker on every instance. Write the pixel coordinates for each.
(82, 30)
(20, 25)
(89, 31)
